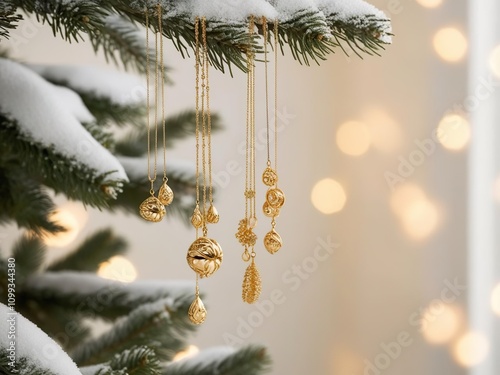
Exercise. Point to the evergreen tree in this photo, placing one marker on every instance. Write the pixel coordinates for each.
(56, 134)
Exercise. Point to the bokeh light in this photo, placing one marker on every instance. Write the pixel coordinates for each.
(430, 3)
(471, 349)
(118, 268)
(404, 195)
(450, 44)
(190, 351)
(328, 196)
(346, 361)
(440, 326)
(353, 138)
(495, 61)
(495, 300)
(385, 133)
(72, 217)
(454, 132)
(496, 189)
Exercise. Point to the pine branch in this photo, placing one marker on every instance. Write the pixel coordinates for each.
(251, 360)
(23, 200)
(29, 253)
(153, 325)
(53, 169)
(8, 19)
(23, 366)
(90, 254)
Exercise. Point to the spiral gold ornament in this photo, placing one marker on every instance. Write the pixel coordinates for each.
(272, 241)
(165, 195)
(197, 312)
(197, 218)
(151, 209)
(204, 256)
(269, 210)
(275, 197)
(252, 284)
(269, 177)
(212, 215)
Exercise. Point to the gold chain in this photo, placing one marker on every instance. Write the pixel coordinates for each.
(276, 38)
(162, 77)
(197, 110)
(148, 109)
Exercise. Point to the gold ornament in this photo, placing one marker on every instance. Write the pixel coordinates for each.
(212, 215)
(269, 210)
(269, 177)
(204, 256)
(245, 233)
(275, 197)
(272, 241)
(197, 218)
(165, 195)
(197, 312)
(252, 284)
(152, 209)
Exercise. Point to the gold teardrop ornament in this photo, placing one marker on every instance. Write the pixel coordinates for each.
(204, 256)
(165, 195)
(275, 197)
(197, 312)
(269, 210)
(252, 284)
(212, 215)
(273, 241)
(197, 218)
(152, 209)
(269, 177)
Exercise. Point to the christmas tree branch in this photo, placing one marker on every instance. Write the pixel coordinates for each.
(8, 19)
(29, 253)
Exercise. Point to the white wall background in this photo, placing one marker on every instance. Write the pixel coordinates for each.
(358, 311)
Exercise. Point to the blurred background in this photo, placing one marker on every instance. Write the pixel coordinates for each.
(392, 181)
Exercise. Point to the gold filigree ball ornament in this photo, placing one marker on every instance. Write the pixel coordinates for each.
(165, 195)
(212, 215)
(204, 256)
(269, 210)
(269, 177)
(197, 312)
(275, 197)
(151, 209)
(272, 241)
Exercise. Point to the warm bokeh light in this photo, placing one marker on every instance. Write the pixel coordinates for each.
(495, 300)
(471, 349)
(450, 44)
(118, 268)
(328, 196)
(430, 3)
(405, 195)
(68, 220)
(353, 138)
(440, 326)
(346, 361)
(454, 132)
(495, 61)
(496, 189)
(385, 132)
(188, 352)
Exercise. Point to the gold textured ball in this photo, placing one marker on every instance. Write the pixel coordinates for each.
(204, 256)
(269, 177)
(270, 211)
(151, 209)
(275, 197)
(165, 195)
(273, 241)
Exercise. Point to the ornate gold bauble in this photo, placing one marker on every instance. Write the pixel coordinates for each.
(245, 233)
(275, 197)
(272, 241)
(212, 215)
(197, 312)
(252, 284)
(165, 195)
(269, 210)
(197, 218)
(151, 209)
(269, 177)
(204, 256)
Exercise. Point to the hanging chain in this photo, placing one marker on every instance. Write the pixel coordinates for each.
(148, 108)
(197, 109)
(265, 34)
(162, 77)
(276, 38)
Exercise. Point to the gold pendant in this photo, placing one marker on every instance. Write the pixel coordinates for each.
(252, 285)
(272, 241)
(197, 312)
(197, 218)
(212, 215)
(165, 195)
(152, 209)
(204, 256)
(275, 197)
(269, 177)
(270, 211)
(245, 233)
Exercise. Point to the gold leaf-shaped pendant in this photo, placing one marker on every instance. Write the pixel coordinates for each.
(269, 177)
(204, 256)
(212, 215)
(197, 312)
(152, 209)
(165, 195)
(197, 218)
(269, 210)
(275, 197)
(272, 241)
(252, 284)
